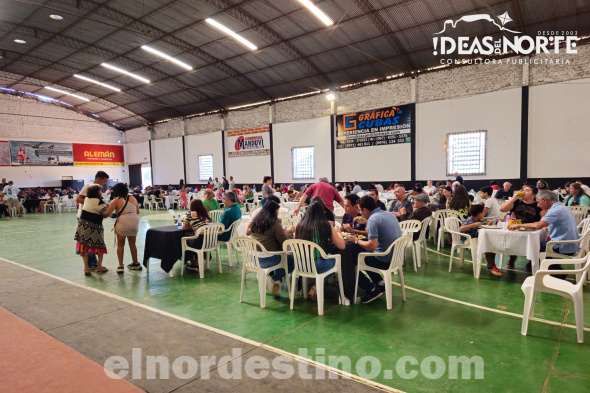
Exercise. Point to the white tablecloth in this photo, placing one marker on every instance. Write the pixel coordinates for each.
(503, 241)
(291, 205)
(168, 201)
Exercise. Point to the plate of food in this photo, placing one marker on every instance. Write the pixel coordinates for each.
(490, 226)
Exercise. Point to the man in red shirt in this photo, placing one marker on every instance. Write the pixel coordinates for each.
(325, 191)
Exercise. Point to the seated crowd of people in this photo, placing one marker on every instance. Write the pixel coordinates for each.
(369, 223)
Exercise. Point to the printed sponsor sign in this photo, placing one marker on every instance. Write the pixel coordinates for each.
(4, 153)
(385, 126)
(41, 153)
(248, 143)
(91, 155)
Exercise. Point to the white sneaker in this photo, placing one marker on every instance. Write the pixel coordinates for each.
(269, 285)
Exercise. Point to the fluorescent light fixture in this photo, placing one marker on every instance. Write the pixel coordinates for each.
(97, 82)
(56, 17)
(65, 92)
(19, 41)
(165, 56)
(139, 78)
(317, 12)
(233, 34)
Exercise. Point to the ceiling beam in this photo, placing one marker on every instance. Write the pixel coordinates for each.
(132, 65)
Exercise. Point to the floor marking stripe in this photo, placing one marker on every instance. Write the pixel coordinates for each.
(488, 308)
(278, 351)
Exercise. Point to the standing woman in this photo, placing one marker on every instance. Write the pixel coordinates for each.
(266, 189)
(194, 219)
(210, 202)
(90, 232)
(314, 226)
(126, 226)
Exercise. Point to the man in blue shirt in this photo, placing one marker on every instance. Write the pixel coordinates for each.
(231, 214)
(559, 220)
(383, 229)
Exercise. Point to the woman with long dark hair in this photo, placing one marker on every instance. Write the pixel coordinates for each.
(329, 215)
(126, 226)
(267, 229)
(195, 218)
(460, 201)
(315, 227)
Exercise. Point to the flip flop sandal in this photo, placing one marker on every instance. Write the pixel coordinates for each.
(103, 270)
(120, 269)
(87, 273)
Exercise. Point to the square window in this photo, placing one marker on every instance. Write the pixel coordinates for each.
(466, 153)
(303, 159)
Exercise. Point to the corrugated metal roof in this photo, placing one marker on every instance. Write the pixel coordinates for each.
(296, 52)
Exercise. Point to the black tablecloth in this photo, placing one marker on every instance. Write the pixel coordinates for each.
(31, 204)
(164, 243)
(349, 259)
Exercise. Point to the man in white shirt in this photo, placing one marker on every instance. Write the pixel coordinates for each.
(12, 198)
(356, 188)
(491, 207)
(232, 183)
(216, 184)
(430, 189)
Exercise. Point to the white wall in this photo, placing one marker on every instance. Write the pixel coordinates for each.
(137, 153)
(497, 112)
(315, 132)
(23, 119)
(167, 166)
(559, 130)
(249, 170)
(203, 144)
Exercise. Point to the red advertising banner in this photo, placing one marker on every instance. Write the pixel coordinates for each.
(91, 155)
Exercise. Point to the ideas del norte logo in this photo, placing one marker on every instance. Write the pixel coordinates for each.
(520, 44)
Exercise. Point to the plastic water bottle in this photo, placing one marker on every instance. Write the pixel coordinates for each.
(179, 222)
(512, 217)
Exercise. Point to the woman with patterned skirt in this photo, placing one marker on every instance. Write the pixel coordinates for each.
(90, 233)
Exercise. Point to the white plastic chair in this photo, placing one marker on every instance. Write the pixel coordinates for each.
(249, 249)
(421, 242)
(215, 215)
(397, 260)
(209, 233)
(339, 211)
(303, 252)
(579, 212)
(408, 227)
(439, 217)
(48, 206)
(65, 203)
(242, 228)
(233, 229)
(156, 202)
(290, 221)
(452, 225)
(583, 249)
(57, 205)
(543, 282)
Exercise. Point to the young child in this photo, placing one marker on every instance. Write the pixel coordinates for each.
(471, 227)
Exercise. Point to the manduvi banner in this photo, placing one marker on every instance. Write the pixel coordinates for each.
(93, 155)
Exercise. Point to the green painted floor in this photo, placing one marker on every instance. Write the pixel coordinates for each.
(445, 315)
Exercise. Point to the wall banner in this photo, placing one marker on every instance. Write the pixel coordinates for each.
(248, 143)
(41, 154)
(385, 126)
(4, 153)
(94, 155)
